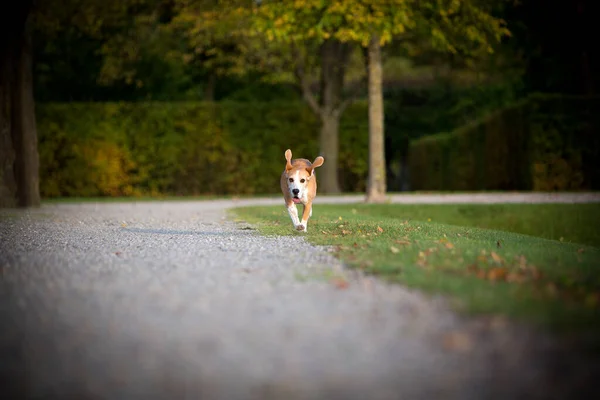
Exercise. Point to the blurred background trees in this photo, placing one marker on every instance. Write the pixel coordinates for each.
(445, 65)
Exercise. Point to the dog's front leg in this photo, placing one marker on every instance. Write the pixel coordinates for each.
(293, 211)
(307, 212)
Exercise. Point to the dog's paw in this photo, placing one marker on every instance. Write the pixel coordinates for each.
(301, 228)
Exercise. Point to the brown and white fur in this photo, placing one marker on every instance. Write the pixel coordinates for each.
(299, 185)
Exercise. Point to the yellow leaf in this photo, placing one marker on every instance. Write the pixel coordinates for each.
(496, 274)
(496, 257)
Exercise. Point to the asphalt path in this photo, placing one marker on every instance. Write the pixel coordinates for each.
(171, 300)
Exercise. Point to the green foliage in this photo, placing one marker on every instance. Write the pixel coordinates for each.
(120, 149)
(541, 143)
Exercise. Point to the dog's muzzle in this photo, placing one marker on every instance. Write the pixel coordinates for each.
(296, 199)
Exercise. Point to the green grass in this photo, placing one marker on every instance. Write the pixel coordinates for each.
(537, 262)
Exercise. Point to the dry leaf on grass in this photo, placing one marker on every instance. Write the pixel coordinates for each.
(402, 242)
(497, 274)
(457, 341)
(379, 229)
(496, 257)
(340, 283)
(394, 250)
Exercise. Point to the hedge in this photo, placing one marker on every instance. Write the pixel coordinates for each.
(542, 143)
(125, 149)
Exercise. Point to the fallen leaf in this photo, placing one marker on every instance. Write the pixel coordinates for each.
(355, 244)
(345, 232)
(496, 274)
(496, 257)
(472, 268)
(457, 341)
(394, 250)
(379, 229)
(515, 277)
(535, 273)
(324, 233)
(123, 225)
(340, 218)
(449, 245)
(402, 242)
(340, 283)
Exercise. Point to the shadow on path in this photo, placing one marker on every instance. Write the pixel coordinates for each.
(160, 231)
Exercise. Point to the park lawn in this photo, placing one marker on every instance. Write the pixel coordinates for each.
(537, 262)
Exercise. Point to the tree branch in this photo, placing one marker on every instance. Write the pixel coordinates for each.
(301, 77)
(352, 97)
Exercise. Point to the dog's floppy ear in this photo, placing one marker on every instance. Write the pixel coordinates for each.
(317, 163)
(288, 157)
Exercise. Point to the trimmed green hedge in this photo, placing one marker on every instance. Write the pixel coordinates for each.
(542, 143)
(122, 149)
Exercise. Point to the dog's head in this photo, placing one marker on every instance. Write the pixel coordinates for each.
(299, 175)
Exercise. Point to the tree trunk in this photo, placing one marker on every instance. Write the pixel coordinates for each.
(334, 60)
(13, 32)
(376, 185)
(24, 132)
(329, 107)
(209, 88)
(8, 186)
(329, 145)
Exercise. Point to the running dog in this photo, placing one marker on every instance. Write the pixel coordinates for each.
(299, 185)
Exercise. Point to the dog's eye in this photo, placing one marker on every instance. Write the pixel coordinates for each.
(291, 179)
(301, 180)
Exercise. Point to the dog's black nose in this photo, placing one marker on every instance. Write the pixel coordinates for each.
(295, 191)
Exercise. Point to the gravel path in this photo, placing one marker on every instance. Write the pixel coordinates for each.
(170, 300)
